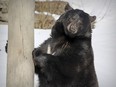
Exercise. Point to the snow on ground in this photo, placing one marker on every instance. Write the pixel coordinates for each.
(103, 40)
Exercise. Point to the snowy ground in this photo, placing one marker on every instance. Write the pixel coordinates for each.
(103, 40)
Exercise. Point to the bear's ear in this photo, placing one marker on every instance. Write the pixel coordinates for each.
(68, 7)
(92, 18)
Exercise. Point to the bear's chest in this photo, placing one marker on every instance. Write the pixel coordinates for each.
(57, 47)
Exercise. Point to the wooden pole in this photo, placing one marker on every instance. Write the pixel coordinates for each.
(20, 69)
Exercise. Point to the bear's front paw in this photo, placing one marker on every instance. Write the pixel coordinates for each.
(36, 52)
(40, 61)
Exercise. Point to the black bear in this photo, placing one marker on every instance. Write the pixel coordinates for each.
(68, 62)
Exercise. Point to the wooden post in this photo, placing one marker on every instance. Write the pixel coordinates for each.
(20, 69)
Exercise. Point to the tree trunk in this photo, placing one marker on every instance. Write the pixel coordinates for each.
(20, 68)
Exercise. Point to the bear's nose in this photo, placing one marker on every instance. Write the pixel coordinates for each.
(72, 28)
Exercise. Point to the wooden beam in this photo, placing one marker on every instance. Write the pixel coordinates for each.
(53, 7)
(43, 21)
(20, 68)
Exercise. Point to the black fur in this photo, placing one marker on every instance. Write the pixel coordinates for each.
(70, 63)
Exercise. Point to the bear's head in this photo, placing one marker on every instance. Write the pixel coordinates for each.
(73, 23)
